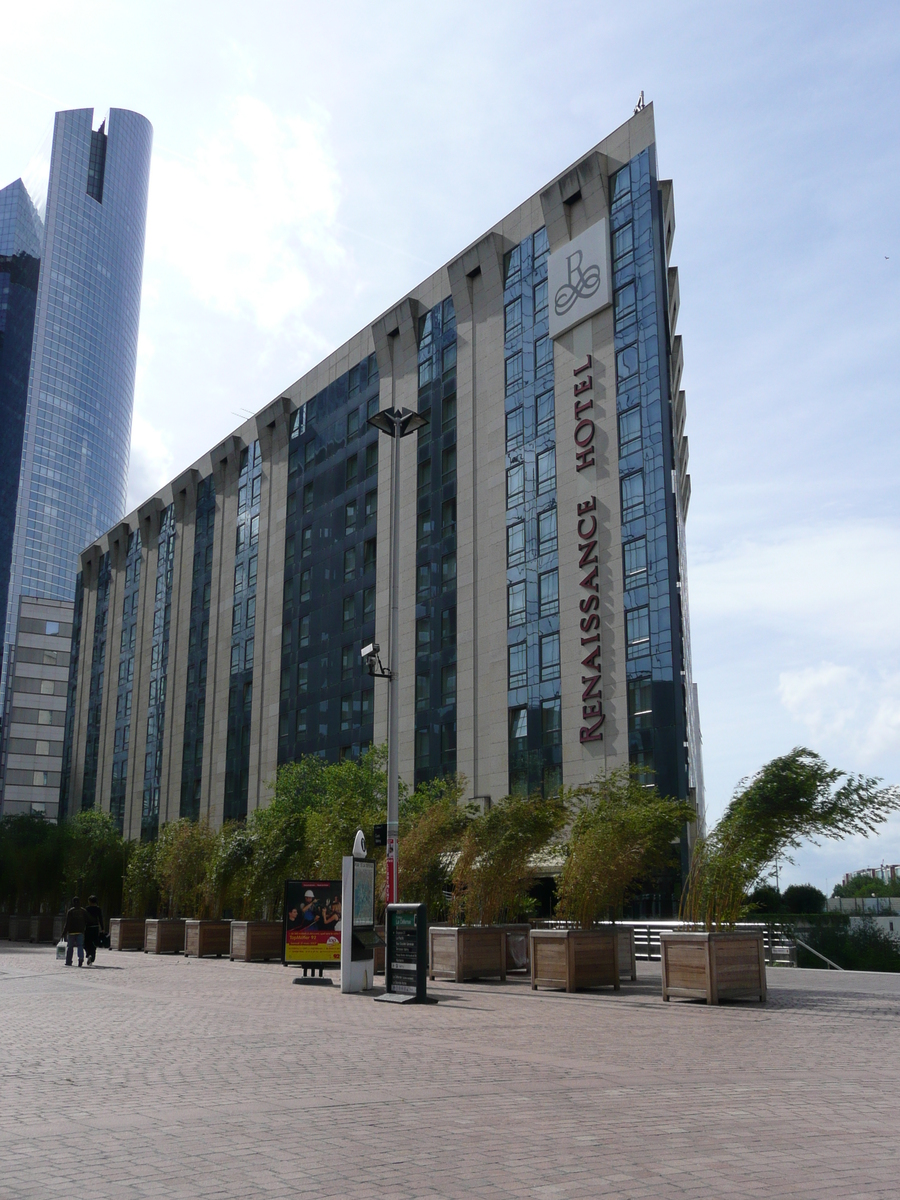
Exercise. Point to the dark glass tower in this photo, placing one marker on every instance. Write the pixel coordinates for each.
(21, 234)
(77, 429)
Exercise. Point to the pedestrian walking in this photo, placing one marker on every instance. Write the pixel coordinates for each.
(73, 930)
(93, 934)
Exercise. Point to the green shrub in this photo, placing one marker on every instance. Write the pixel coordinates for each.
(864, 947)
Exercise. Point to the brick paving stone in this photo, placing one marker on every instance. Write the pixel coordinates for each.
(155, 1076)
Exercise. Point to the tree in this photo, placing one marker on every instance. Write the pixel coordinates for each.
(184, 851)
(792, 798)
(227, 871)
(141, 891)
(623, 832)
(804, 898)
(353, 796)
(765, 901)
(432, 825)
(95, 858)
(867, 885)
(32, 861)
(494, 873)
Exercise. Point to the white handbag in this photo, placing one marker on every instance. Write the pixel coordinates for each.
(61, 947)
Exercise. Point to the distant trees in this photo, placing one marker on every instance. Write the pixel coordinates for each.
(866, 885)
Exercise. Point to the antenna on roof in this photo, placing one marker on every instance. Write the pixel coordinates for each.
(640, 104)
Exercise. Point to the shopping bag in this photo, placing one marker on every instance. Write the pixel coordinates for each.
(61, 947)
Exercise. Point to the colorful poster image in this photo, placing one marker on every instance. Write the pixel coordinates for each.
(312, 922)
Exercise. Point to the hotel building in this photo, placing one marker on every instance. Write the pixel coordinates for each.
(544, 633)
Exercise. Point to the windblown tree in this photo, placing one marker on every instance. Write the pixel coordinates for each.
(791, 799)
(432, 825)
(623, 832)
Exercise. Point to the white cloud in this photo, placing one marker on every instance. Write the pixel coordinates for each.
(151, 461)
(858, 710)
(248, 222)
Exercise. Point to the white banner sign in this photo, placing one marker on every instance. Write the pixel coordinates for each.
(579, 278)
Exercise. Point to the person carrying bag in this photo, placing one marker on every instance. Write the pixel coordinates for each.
(76, 923)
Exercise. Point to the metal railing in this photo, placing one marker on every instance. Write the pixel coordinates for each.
(780, 947)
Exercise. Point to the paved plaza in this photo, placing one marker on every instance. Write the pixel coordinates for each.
(166, 1077)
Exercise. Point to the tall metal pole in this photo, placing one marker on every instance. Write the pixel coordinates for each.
(393, 797)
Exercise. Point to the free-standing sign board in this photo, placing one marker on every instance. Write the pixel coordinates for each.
(312, 923)
(406, 953)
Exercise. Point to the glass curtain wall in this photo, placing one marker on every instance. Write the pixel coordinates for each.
(198, 649)
(435, 736)
(329, 572)
(535, 749)
(122, 736)
(159, 668)
(71, 695)
(95, 696)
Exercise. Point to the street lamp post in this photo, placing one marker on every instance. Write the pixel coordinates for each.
(396, 423)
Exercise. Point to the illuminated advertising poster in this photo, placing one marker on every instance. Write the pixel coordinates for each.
(312, 922)
(363, 893)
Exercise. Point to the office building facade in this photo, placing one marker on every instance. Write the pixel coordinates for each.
(72, 466)
(544, 631)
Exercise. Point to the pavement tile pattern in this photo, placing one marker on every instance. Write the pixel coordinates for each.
(211, 1080)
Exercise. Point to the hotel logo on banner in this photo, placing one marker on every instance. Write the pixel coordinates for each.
(579, 278)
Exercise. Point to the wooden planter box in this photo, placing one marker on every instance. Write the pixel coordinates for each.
(126, 933)
(471, 952)
(19, 929)
(713, 966)
(255, 940)
(575, 958)
(164, 935)
(40, 929)
(207, 937)
(518, 947)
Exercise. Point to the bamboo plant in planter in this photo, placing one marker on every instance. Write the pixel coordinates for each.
(623, 832)
(792, 798)
(491, 881)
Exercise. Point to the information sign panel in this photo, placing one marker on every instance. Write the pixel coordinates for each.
(363, 893)
(312, 923)
(406, 953)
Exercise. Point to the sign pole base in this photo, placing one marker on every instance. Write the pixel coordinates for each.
(397, 998)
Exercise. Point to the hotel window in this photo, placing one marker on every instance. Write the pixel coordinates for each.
(423, 693)
(307, 497)
(547, 531)
(423, 582)
(251, 571)
(633, 496)
(42, 748)
(548, 586)
(346, 711)
(546, 471)
(448, 686)
(371, 459)
(302, 676)
(304, 631)
(512, 264)
(349, 564)
(369, 604)
(518, 728)
(543, 355)
(371, 506)
(248, 654)
(256, 489)
(348, 615)
(370, 551)
(350, 517)
(366, 706)
(238, 582)
(423, 482)
(448, 628)
(637, 631)
(629, 431)
(635, 554)
(518, 674)
(515, 544)
(514, 368)
(351, 471)
(623, 243)
(422, 749)
(515, 428)
(544, 413)
(352, 423)
(541, 247)
(540, 300)
(448, 518)
(549, 657)
(235, 659)
(425, 373)
(551, 722)
(347, 657)
(448, 572)
(424, 526)
(305, 583)
(236, 614)
(448, 414)
(620, 186)
(625, 303)
(626, 363)
(306, 542)
(448, 359)
(515, 604)
(513, 317)
(448, 464)
(423, 636)
(640, 705)
(515, 485)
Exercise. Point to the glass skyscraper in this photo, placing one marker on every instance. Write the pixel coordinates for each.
(21, 234)
(73, 467)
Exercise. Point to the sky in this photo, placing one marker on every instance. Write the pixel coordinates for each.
(313, 163)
